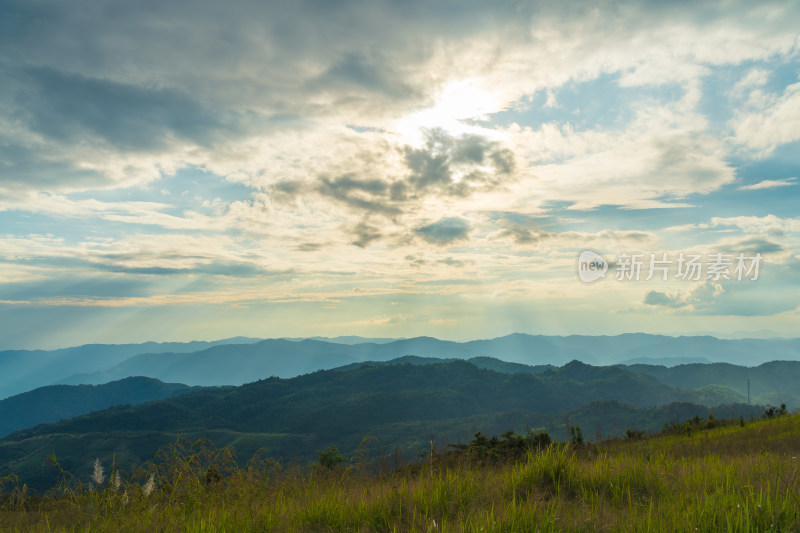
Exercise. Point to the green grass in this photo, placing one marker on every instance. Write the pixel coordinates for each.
(727, 478)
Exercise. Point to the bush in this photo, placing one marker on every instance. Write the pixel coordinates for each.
(330, 458)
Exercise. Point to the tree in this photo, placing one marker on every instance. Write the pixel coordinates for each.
(330, 458)
(576, 435)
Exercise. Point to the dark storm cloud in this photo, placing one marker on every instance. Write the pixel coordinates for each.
(445, 231)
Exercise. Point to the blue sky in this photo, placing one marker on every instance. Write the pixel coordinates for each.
(188, 170)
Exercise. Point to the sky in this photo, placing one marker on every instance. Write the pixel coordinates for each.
(201, 170)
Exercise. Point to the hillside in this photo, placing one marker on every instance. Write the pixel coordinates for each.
(773, 383)
(57, 402)
(405, 405)
(724, 478)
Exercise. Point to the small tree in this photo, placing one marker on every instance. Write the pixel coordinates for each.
(330, 458)
(632, 434)
(576, 435)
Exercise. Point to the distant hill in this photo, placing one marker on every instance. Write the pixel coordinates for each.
(57, 402)
(25, 370)
(666, 361)
(489, 363)
(773, 383)
(242, 363)
(242, 360)
(347, 339)
(405, 404)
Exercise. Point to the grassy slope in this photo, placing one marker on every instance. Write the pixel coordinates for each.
(729, 478)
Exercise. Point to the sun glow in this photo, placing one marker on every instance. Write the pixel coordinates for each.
(456, 110)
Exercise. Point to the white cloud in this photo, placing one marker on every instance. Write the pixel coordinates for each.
(755, 77)
(754, 224)
(769, 184)
(774, 121)
(662, 156)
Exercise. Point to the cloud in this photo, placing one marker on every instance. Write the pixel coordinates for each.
(308, 247)
(701, 296)
(650, 165)
(755, 77)
(370, 195)
(663, 299)
(449, 261)
(71, 107)
(399, 183)
(365, 234)
(755, 245)
(769, 224)
(103, 105)
(445, 231)
(457, 166)
(524, 236)
(143, 254)
(324, 140)
(769, 184)
(772, 121)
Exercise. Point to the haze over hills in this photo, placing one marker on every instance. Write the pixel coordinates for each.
(346, 339)
(24, 370)
(241, 360)
(237, 364)
(774, 382)
(401, 404)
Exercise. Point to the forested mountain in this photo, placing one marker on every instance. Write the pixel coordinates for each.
(773, 383)
(57, 402)
(404, 404)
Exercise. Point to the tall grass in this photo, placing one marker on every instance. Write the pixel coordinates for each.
(722, 479)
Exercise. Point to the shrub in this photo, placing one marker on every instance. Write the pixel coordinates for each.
(330, 457)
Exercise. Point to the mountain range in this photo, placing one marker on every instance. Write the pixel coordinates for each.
(405, 403)
(242, 360)
(24, 370)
